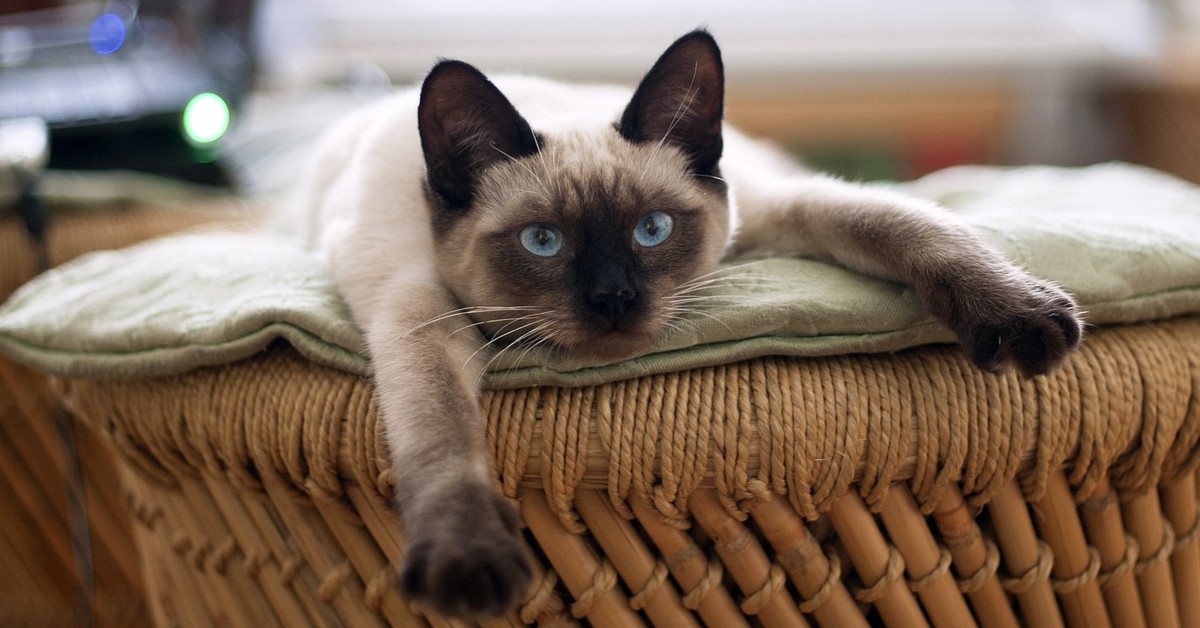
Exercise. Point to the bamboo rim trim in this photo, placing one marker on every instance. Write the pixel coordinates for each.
(1089, 574)
(943, 567)
(894, 571)
(1189, 537)
(1127, 563)
(1040, 572)
(711, 578)
(977, 580)
(1162, 553)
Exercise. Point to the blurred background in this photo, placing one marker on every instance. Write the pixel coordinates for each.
(867, 88)
(871, 88)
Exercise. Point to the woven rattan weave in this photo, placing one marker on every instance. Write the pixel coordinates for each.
(901, 489)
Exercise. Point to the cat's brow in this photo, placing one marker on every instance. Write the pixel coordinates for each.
(542, 160)
(519, 162)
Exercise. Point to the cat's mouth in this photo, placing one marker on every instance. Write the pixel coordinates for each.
(590, 340)
(612, 346)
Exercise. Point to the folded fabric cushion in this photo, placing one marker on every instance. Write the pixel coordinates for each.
(1123, 239)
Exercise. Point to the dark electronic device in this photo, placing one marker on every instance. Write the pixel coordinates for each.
(147, 85)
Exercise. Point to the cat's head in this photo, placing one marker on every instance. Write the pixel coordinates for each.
(586, 239)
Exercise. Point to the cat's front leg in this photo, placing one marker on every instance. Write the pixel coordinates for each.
(465, 557)
(1001, 314)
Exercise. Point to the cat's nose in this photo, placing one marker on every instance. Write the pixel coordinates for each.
(612, 302)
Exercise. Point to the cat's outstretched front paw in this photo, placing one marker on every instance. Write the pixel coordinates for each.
(467, 561)
(1030, 324)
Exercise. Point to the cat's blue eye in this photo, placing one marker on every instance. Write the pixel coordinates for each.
(653, 229)
(542, 240)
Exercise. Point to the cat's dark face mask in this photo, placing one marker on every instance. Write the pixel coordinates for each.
(587, 240)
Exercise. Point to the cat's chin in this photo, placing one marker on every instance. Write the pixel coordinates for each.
(613, 346)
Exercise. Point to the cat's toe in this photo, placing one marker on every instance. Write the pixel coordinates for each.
(479, 571)
(469, 579)
(1050, 331)
(1035, 338)
(983, 344)
(1039, 345)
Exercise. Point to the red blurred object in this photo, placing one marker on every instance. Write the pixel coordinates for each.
(929, 154)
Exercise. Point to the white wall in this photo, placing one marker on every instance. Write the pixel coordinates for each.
(1051, 53)
(762, 39)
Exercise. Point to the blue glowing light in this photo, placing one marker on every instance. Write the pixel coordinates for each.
(107, 34)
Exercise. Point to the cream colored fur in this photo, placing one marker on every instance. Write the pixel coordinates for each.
(367, 211)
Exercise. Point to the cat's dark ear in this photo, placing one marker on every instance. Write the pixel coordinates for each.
(466, 125)
(681, 101)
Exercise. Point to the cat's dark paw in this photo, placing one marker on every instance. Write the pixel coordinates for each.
(1031, 325)
(468, 563)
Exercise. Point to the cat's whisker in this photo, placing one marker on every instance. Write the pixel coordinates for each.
(497, 338)
(539, 325)
(690, 303)
(469, 326)
(556, 166)
(538, 147)
(716, 300)
(740, 279)
(693, 297)
(710, 176)
(542, 339)
(478, 309)
(685, 107)
(708, 281)
(700, 312)
(465, 311)
(723, 273)
(545, 168)
(518, 193)
(681, 315)
(730, 273)
(726, 269)
(715, 283)
(510, 321)
(677, 324)
(743, 283)
(441, 317)
(737, 291)
(507, 322)
(538, 331)
(713, 293)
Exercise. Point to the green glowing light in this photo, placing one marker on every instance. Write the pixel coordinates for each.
(205, 118)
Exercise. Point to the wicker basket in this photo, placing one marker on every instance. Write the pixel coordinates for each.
(852, 490)
(40, 580)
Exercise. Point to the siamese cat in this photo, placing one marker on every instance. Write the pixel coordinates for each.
(472, 214)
